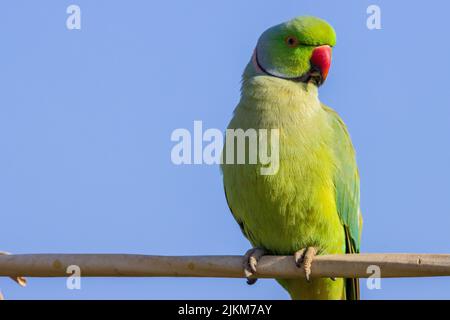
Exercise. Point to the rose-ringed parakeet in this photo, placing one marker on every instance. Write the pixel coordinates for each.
(311, 204)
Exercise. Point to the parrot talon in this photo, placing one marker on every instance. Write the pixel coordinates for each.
(304, 258)
(299, 257)
(251, 259)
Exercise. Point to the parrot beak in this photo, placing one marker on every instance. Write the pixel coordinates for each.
(320, 63)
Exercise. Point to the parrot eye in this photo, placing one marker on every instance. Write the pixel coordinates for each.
(291, 41)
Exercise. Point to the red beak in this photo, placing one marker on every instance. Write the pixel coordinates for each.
(321, 59)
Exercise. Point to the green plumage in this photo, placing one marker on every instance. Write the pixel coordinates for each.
(313, 199)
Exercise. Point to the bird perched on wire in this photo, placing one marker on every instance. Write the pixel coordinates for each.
(311, 204)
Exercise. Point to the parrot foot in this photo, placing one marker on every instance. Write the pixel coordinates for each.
(251, 259)
(304, 258)
(22, 281)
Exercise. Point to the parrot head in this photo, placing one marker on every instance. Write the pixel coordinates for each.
(298, 50)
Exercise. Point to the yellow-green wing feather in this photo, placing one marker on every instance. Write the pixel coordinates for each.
(346, 181)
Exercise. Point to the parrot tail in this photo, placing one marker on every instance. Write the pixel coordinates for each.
(351, 284)
(352, 289)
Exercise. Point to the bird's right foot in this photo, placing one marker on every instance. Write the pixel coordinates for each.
(251, 259)
(304, 258)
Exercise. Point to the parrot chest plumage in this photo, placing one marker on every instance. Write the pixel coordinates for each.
(295, 207)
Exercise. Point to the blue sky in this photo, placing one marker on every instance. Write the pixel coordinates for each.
(86, 117)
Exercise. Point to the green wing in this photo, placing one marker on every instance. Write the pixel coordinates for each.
(346, 181)
(247, 233)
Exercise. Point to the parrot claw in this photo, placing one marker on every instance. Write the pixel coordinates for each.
(251, 259)
(304, 258)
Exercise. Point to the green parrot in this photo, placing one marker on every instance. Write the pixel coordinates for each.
(311, 204)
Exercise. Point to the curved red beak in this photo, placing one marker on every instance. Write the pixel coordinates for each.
(321, 59)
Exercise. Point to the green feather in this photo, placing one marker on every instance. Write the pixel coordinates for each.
(346, 182)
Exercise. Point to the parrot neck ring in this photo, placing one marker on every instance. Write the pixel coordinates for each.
(314, 74)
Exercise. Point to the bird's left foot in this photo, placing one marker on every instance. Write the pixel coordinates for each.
(304, 258)
(251, 258)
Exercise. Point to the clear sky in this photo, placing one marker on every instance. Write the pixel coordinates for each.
(86, 117)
